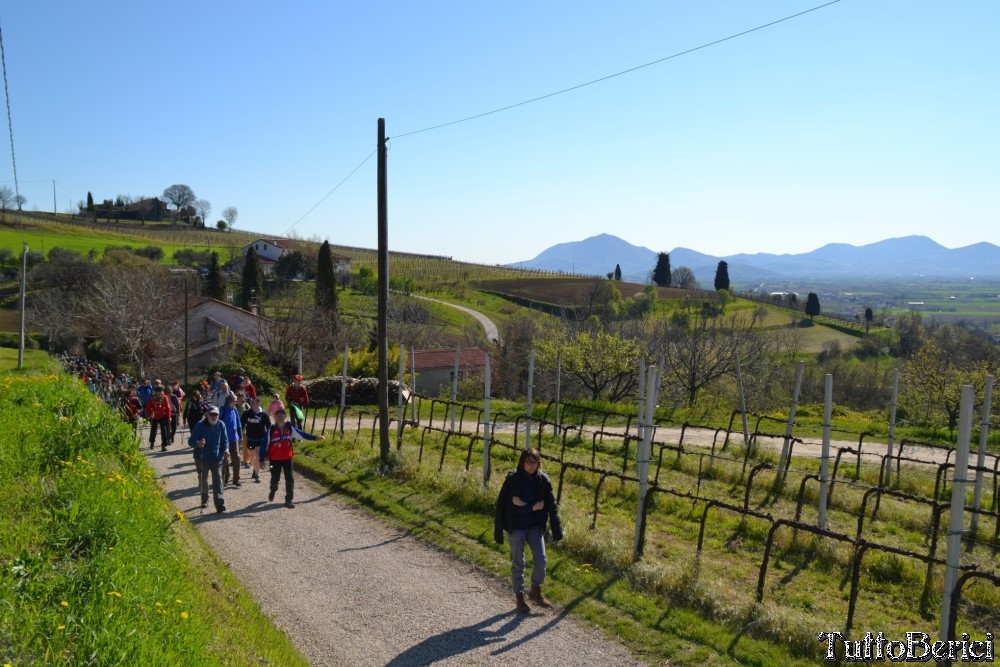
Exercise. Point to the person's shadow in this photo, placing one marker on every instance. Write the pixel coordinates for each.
(457, 641)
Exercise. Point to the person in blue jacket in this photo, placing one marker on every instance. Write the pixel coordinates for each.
(230, 416)
(208, 437)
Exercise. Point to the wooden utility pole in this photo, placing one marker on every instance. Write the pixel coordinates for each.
(24, 289)
(383, 299)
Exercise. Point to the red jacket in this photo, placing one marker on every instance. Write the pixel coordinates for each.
(298, 395)
(279, 441)
(158, 406)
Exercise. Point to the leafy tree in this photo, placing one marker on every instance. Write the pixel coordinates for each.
(190, 257)
(150, 252)
(180, 195)
(290, 265)
(722, 276)
(602, 362)
(253, 282)
(229, 214)
(326, 280)
(683, 278)
(618, 272)
(869, 318)
(932, 381)
(215, 286)
(367, 282)
(661, 272)
(221, 225)
(90, 201)
(812, 305)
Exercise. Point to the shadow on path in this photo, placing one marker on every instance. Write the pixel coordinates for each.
(457, 641)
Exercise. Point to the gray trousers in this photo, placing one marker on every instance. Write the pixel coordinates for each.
(536, 541)
(215, 469)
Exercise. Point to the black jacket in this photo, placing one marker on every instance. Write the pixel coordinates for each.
(504, 517)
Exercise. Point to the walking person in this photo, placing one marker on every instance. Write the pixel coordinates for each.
(297, 400)
(229, 415)
(195, 409)
(158, 413)
(256, 423)
(279, 451)
(218, 398)
(210, 445)
(175, 410)
(524, 507)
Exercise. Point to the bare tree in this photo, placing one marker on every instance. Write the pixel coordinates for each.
(229, 214)
(6, 199)
(701, 346)
(56, 313)
(135, 313)
(683, 278)
(204, 208)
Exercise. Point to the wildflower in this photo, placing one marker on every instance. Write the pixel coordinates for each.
(179, 601)
(115, 593)
(184, 615)
(159, 604)
(180, 515)
(61, 627)
(64, 603)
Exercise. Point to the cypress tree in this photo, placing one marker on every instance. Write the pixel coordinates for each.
(661, 273)
(326, 280)
(618, 272)
(214, 286)
(253, 282)
(722, 276)
(812, 305)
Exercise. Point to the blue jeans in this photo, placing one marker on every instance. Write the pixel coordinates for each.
(534, 538)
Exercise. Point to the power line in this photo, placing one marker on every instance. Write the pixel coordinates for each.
(617, 74)
(344, 180)
(10, 124)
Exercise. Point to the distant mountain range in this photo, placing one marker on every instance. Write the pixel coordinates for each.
(906, 258)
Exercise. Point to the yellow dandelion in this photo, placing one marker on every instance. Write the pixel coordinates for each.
(61, 627)
(159, 604)
(115, 593)
(179, 601)
(64, 603)
(180, 515)
(184, 615)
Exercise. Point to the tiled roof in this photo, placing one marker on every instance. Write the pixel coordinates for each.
(471, 357)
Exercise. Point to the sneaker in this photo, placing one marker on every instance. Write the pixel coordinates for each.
(289, 504)
(237, 484)
(204, 505)
(256, 478)
(220, 510)
(151, 446)
(270, 496)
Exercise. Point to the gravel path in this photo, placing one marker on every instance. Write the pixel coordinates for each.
(492, 333)
(350, 590)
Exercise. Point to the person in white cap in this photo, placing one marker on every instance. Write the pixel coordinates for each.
(279, 451)
(208, 437)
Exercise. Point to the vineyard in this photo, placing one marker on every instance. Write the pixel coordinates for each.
(724, 534)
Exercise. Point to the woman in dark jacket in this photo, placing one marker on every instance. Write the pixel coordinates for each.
(525, 505)
(195, 409)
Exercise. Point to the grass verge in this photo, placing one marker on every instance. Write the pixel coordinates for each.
(95, 567)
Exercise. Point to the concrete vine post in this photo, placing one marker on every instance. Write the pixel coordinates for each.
(824, 462)
(399, 398)
(984, 436)
(527, 409)
(642, 457)
(892, 426)
(786, 446)
(454, 385)
(486, 421)
(743, 403)
(957, 509)
(343, 389)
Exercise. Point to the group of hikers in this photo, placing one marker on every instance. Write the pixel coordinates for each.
(230, 430)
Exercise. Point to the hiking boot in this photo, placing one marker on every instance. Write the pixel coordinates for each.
(220, 510)
(256, 478)
(270, 496)
(151, 446)
(289, 504)
(522, 606)
(535, 595)
(237, 484)
(204, 505)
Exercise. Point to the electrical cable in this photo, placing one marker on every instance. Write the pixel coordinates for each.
(616, 74)
(343, 180)
(10, 122)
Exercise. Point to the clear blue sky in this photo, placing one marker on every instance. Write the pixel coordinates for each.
(865, 120)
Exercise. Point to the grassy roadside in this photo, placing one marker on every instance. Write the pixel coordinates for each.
(454, 512)
(95, 567)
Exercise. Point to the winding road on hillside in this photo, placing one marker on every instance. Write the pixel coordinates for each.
(351, 590)
(492, 333)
